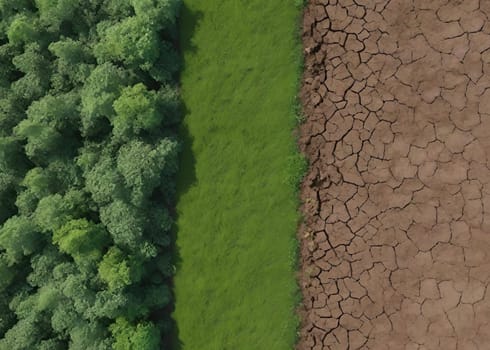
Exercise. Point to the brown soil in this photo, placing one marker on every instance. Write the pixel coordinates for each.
(396, 240)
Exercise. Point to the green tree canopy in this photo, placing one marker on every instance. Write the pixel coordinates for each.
(82, 240)
(102, 88)
(22, 30)
(132, 41)
(124, 222)
(118, 270)
(88, 116)
(19, 237)
(133, 337)
(144, 167)
(136, 111)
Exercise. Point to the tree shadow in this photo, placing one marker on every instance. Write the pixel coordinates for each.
(186, 176)
(187, 23)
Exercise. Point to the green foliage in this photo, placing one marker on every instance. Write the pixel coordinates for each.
(103, 181)
(89, 336)
(53, 12)
(102, 88)
(7, 273)
(124, 222)
(36, 68)
(128, 337)
(73, 64)
(12, 160)
(48, 297)
(143, 167)
(88, 114)
(42, 266)
(19, 237)
(52, 212)
(136, 111)
(160, 13)
(81, 239)
(132, 41)
(21, 30)
(25, 334)
(118, 270)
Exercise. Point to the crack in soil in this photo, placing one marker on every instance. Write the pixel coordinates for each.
(395, 247)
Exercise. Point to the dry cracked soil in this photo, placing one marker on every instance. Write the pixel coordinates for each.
(395, 246)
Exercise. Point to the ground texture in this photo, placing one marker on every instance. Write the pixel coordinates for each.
(235, 285)
(396, 240)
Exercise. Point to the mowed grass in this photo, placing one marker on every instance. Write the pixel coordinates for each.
(237, 212)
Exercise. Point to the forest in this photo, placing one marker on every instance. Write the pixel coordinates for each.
(89, 150)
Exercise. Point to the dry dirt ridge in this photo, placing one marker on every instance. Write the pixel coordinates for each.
(396, 240)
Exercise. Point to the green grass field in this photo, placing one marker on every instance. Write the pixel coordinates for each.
(237, 206)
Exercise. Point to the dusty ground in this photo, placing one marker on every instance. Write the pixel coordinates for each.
(396, 244)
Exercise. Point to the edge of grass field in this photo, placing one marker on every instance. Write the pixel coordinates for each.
(301, 168)
(298, 167)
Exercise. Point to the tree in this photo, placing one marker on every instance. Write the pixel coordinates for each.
(7, 317)
(103, 181)
(12, 160)
(102, 88)
(117, 9)
(12, 165)
(167, 64)
(88, 113)
(22, 30)
(78, 288)
(132, 41)
(42, 266)
(36, 68)
(48, 296)
(124, 222)
(9, 8)
(169, 105)
(7, 274)
(52, 344)
(89, 336)
(109, 304)
(83, 240)
(7, 69)
(147, 297)
(64, 317)
(43, 141)
(39, 182)
(143, 166)
(136, 111)
(19, 237)
(74, 63)
(160, 13)
(50, 123)
(55, 210)
(60, 112)
(119, 270)
(25, 334)
(36, 184)
(53, 12)
(7, 193)
(141, 336)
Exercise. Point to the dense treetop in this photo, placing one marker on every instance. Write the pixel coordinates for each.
(88, 109)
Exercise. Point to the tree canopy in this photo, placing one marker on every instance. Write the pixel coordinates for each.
(88, 154)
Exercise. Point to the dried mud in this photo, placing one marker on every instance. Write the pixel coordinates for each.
(396, 241)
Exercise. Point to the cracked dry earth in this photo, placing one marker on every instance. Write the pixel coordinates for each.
(396, 239)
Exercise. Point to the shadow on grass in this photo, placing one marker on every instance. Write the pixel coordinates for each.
(188, 21)
(186, 176)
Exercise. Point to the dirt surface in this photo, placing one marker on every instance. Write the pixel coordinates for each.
(396, 240)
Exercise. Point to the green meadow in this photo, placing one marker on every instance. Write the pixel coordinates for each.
(237, 214)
